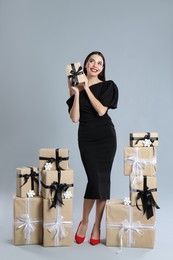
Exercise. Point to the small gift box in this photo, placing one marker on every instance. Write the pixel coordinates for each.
(57, 224)
(28, 216)
(75, 73)
(53, 159)
(27, 178)
(144, 195)
(57, 185)
(144, 139)
(126, 226)
(140, 161)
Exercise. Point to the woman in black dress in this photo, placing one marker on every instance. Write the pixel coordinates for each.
(96, 138)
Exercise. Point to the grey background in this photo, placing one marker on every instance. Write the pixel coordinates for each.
(38, 38)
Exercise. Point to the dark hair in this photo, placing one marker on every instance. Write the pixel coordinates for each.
(101, 76)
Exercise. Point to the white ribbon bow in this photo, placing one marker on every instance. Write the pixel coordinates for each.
(25, 223)
(58, 228)
(138, 164)
(127, 228)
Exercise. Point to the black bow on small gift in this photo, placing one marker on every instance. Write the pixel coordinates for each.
(57, 160)
(31, 175)
(147, 199)
(74, 73)
(147, 137)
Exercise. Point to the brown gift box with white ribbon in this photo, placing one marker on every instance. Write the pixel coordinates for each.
(57, 224)
(28, 216)
(126, 226)
(140, 161)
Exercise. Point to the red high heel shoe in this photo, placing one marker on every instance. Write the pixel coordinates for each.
(94, 242)
(79, 239)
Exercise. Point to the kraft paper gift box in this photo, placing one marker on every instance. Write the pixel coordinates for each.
(51, 181)
(144, 139)
(126, 226)
(57, 224)
(28, 217)
(143, 195)
(140, 161)
(75, 74)
(53, 159)
(27, 178)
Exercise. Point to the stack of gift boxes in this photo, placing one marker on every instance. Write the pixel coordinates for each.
(131, 222)
(43, 202)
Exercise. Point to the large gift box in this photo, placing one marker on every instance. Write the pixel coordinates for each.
(144, 139)
(75, 73)
(28, 216)
(140, 161)
(53, 182)
(53, 159)
(57, 224)
(126, 226)
(27, 178)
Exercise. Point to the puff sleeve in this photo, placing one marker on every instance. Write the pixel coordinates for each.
(109, 95)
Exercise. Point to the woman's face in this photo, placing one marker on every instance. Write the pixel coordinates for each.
(94, 65)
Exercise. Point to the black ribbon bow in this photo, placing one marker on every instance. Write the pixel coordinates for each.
(33, 175)
(147, 199)
(58, 188)
(74, 73)
(148, 137)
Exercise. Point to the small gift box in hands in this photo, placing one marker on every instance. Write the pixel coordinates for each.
(75, 74)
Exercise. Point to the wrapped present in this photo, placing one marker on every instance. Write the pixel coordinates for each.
(75, 73)
(126, 226)
(53, 159)
(144, 139)
(57, 185)
(144, 194)
(27, 179)
(139, 162)
(57, 224)
(28, 220)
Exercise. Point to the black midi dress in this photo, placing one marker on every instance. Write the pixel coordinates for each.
(97, 138)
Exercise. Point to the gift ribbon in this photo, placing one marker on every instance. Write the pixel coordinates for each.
(128, 228)
(74, 74)
(138, 164)
(58, 227)
(147, 136)
(26, 177)
(26, 223)
(147, 199)
(58, 188)
(58, 159)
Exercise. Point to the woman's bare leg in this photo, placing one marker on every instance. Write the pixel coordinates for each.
(87, 206)
(100, 205)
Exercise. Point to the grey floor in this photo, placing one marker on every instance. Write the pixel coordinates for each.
(84, 251)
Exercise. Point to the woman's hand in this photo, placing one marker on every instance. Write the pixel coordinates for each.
(73, 90)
